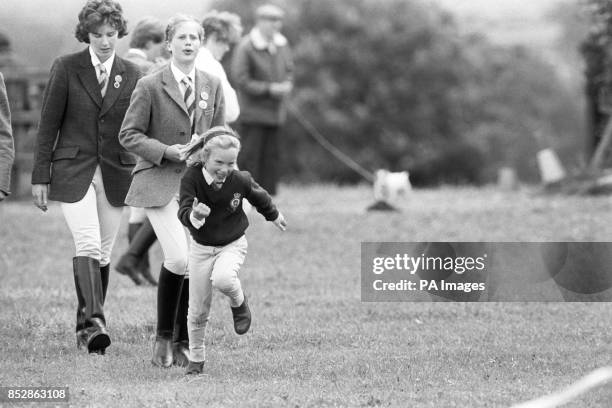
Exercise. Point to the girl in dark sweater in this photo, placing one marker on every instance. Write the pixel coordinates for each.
(211, 197)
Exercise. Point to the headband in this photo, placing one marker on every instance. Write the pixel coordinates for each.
(196, 145)
(219, 132)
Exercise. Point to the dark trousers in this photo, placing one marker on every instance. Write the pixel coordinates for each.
(260, 154)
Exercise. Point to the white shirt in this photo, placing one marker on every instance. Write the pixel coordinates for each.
(207, 63)
(108, 65)
(179, 75)
(209, 180)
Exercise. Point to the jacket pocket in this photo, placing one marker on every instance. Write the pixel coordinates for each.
(127, 159)
(142, 165)
(62, 153)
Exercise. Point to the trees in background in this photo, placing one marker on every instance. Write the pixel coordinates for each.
(396, 85)
(596, 50)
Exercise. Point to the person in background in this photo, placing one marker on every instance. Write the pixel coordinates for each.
(147, 45)
(166, 109)
(262, 68)
(221, 30)
(146, 48)
(8, 59)
(7, 146)
(78, 160)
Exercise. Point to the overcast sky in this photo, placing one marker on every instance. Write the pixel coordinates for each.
(497, 9)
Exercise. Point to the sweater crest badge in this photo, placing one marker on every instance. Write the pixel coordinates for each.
(235, 203)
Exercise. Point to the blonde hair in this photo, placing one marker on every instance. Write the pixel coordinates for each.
(218, 137)
(178, 19)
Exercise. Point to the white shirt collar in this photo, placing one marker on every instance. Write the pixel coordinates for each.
(179, 75)
(138, 52)
(207, 177)
(261, 43)
(108, 64)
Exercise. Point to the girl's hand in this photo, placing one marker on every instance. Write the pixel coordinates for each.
(280, 222)
(39, 195)
(199, 210)
(175, 153)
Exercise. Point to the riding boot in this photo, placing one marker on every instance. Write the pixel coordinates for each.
(89, 283)
(143, 265)
(104, 276)
(180, 341)
(168, 295)
(129, 263)
(81, 331)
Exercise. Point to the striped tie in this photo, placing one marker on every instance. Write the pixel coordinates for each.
(102, 79)
(189, 99)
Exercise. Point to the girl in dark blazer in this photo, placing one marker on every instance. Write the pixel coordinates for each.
(167, 107)
(78, 159)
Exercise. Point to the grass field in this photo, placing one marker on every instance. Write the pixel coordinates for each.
(313, 342)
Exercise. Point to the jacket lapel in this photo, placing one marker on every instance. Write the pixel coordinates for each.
(115, 85)
(203, 97)
(88, 78)
(172, 89)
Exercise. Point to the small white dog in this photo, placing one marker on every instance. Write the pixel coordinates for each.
(388, 187)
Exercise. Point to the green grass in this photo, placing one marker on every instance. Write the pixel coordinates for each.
(313, 342)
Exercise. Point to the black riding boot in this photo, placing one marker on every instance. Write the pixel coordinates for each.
(81, 332)
(180, 343)
(88, 280)
(143, 265)
(168, 295)
(130, 263)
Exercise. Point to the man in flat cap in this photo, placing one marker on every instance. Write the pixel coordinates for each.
(262, 68)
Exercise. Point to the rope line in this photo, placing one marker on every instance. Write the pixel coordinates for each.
(595, 379)
(327, 145)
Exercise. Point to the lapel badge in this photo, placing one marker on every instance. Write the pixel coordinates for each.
(118, 78)
(235, 202)
(116, 84)
(202, 104)
(204, 95)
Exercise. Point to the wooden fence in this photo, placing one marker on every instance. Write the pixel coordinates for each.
(25, 89)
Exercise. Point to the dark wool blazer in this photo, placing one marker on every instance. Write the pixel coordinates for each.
(158, 118)
(254, 70)
(79, 130)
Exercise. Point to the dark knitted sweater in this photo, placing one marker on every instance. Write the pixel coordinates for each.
(226, 221)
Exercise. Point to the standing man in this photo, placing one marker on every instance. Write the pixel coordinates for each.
(146, 49)
(7, 149)
(262, 69)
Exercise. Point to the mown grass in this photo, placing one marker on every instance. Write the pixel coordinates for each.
(313, 342)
